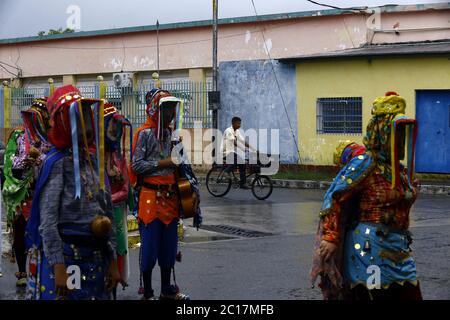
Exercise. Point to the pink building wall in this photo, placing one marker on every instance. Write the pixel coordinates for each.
(188, 48)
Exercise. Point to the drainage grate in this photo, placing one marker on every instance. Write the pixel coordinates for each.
(236, 231)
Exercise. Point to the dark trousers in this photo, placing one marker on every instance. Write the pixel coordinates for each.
(20, 251)
(159, 242)
(2, 178)
(236, 162)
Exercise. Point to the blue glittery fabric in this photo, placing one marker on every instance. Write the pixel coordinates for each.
(366, 245)
(349, 174)
(93, 264)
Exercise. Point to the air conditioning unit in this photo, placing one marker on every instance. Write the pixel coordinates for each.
(123, 79)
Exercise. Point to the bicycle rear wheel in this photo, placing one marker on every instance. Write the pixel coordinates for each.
(262, 187)
(218, 182)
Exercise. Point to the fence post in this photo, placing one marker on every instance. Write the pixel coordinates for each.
(2, 131)
(6, 104)
(157, 81)
(51, 87)
(101, 87)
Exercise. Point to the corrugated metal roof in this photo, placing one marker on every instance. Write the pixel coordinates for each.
(381, 50)
(203, 23)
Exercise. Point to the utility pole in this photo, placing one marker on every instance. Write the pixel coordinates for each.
(155, 75)
(157, 44)
(215, 29)
(214, 98)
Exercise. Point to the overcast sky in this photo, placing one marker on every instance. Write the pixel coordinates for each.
(19, 18)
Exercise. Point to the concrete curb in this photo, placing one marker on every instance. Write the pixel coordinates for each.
(324, 185)
(434, 189)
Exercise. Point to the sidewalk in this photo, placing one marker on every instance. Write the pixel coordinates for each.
(428, 187)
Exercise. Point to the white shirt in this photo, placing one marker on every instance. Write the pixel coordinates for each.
(230, 136)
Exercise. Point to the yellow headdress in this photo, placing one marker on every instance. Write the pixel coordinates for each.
(339, 149)
(389, 104)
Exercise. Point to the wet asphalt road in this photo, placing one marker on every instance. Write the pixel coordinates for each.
(276, 266)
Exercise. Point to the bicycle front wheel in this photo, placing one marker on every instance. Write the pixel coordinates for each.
(262, 187)
(218, 182)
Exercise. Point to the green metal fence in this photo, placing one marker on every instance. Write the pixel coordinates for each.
(21, 99)
(195, 97)
(131, 101)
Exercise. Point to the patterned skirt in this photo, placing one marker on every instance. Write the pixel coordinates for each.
(376, 257)
(87, 265)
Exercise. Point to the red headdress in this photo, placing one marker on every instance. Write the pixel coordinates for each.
(156, 100)
(60, 133)
(66, 112)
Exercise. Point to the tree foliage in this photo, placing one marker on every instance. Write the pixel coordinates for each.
(56, 31)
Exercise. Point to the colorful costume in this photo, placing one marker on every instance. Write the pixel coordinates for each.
(158, 204)
(68, 224)
(1, 232)
(25, 152)
(2, 150)
(116, 168)
(365, 213)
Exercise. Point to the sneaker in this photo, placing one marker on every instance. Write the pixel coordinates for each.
(22, 282)
(176, 296)
(150, 296)
(173, 293)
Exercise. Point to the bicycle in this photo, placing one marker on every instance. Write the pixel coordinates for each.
(219, 181)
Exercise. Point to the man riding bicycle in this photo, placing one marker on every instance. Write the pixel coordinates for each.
(233, 148)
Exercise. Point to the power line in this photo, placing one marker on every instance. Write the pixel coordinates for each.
(134, 47)
(19, 71)
(278, 84)
(9, 65)
(338, 8)
(13, 74)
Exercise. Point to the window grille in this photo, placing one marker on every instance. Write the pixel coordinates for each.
(339, 115)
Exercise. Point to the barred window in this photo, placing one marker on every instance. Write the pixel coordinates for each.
(339, 115)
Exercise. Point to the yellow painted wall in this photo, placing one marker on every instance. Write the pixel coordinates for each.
(359, 78)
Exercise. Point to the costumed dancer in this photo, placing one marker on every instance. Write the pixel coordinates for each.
(26, 149)
(121, 193)
(1, 235)
(2, 152)
(364, 221)
(152, 173)
(71, 222)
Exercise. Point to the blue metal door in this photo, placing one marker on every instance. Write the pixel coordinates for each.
(433, 141)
